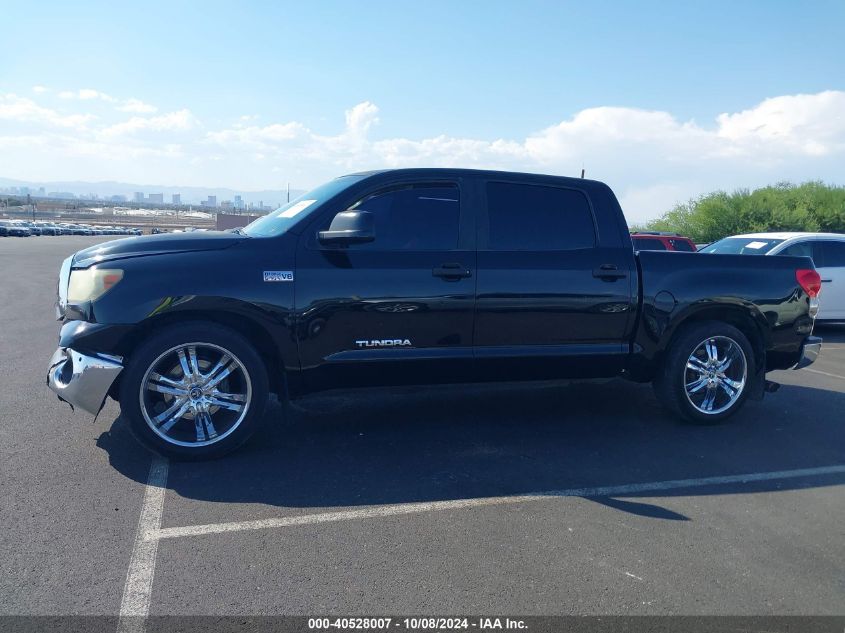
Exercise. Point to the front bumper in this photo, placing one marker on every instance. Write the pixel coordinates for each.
(810, 350)
(81, 380)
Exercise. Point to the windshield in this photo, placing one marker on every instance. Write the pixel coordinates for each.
(284, 217)
(741, 246)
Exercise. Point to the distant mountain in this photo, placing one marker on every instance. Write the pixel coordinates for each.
(190, 195)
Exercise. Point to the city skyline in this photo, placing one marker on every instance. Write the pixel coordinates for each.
(640, 96)
(157, 195)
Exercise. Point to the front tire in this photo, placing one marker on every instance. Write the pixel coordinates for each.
(707, 372)
(194, 391)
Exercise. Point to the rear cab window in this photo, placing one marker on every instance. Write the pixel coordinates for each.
(682, 245)
(648, 244)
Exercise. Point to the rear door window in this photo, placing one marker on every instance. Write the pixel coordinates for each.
(832, 254)
(538, 218)
(801, 249)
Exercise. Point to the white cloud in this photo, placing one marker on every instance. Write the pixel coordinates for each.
(40, 89)
(24, 110)
(123, 105)
(86, 94)
(650, 157)
(812, 124)
(136, 105)
(641, 140)
(254, 137)
(361, 118)
(179, 121)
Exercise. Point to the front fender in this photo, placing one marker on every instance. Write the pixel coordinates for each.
(226, 287)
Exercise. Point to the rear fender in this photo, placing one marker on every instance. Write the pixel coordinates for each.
(660, 323)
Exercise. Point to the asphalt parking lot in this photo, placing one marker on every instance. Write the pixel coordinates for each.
(526, 499)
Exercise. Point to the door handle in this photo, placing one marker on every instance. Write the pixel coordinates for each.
(451, 272)
(609, 272)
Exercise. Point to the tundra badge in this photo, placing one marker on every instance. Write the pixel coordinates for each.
(385, 342)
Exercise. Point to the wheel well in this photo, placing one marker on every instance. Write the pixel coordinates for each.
(251, 330)
(738, 318)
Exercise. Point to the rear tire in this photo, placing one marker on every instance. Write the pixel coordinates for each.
(706, 373)
(194, 391)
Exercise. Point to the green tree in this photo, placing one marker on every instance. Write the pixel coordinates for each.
(811, 206)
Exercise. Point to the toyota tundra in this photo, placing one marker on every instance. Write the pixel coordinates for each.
(416, 276)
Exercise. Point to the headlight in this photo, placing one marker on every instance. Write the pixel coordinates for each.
(91, 284)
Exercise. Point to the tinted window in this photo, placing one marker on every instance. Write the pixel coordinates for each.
(801, 249)
(648, 244)
(682, 245)
(823, 252)
(742, 246)
(418, 218)
(833, 254)
(537, 218)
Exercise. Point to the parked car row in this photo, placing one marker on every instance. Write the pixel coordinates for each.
(827, 250)
(22, 228)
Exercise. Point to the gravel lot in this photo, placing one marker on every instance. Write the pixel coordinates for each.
(411, 501)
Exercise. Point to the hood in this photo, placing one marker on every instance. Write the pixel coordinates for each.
(156, 245)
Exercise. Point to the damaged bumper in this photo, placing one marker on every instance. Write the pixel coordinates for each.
(83, 380)
(810, 350)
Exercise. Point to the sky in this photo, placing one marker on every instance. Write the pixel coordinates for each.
(664, 101)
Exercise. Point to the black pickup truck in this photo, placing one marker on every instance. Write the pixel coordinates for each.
(416, 276)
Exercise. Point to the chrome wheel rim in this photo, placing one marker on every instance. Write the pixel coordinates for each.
(195, 394)
(715, 375)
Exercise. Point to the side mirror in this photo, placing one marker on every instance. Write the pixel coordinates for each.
(350, 227)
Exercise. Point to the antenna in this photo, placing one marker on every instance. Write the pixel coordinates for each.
(582, 172)
(288, 192)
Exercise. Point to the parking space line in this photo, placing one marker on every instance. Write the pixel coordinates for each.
(824, 373)
(155, 534)
(135, 603)
(827, 348)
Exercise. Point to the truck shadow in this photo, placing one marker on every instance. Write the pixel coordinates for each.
(469, 441)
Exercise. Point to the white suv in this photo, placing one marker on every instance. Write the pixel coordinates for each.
(826, 249)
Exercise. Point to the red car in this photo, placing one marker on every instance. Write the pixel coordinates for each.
(662, 241)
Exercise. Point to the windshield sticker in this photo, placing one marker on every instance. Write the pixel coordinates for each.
(756, 244)
(278, 275)
(299, 207)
